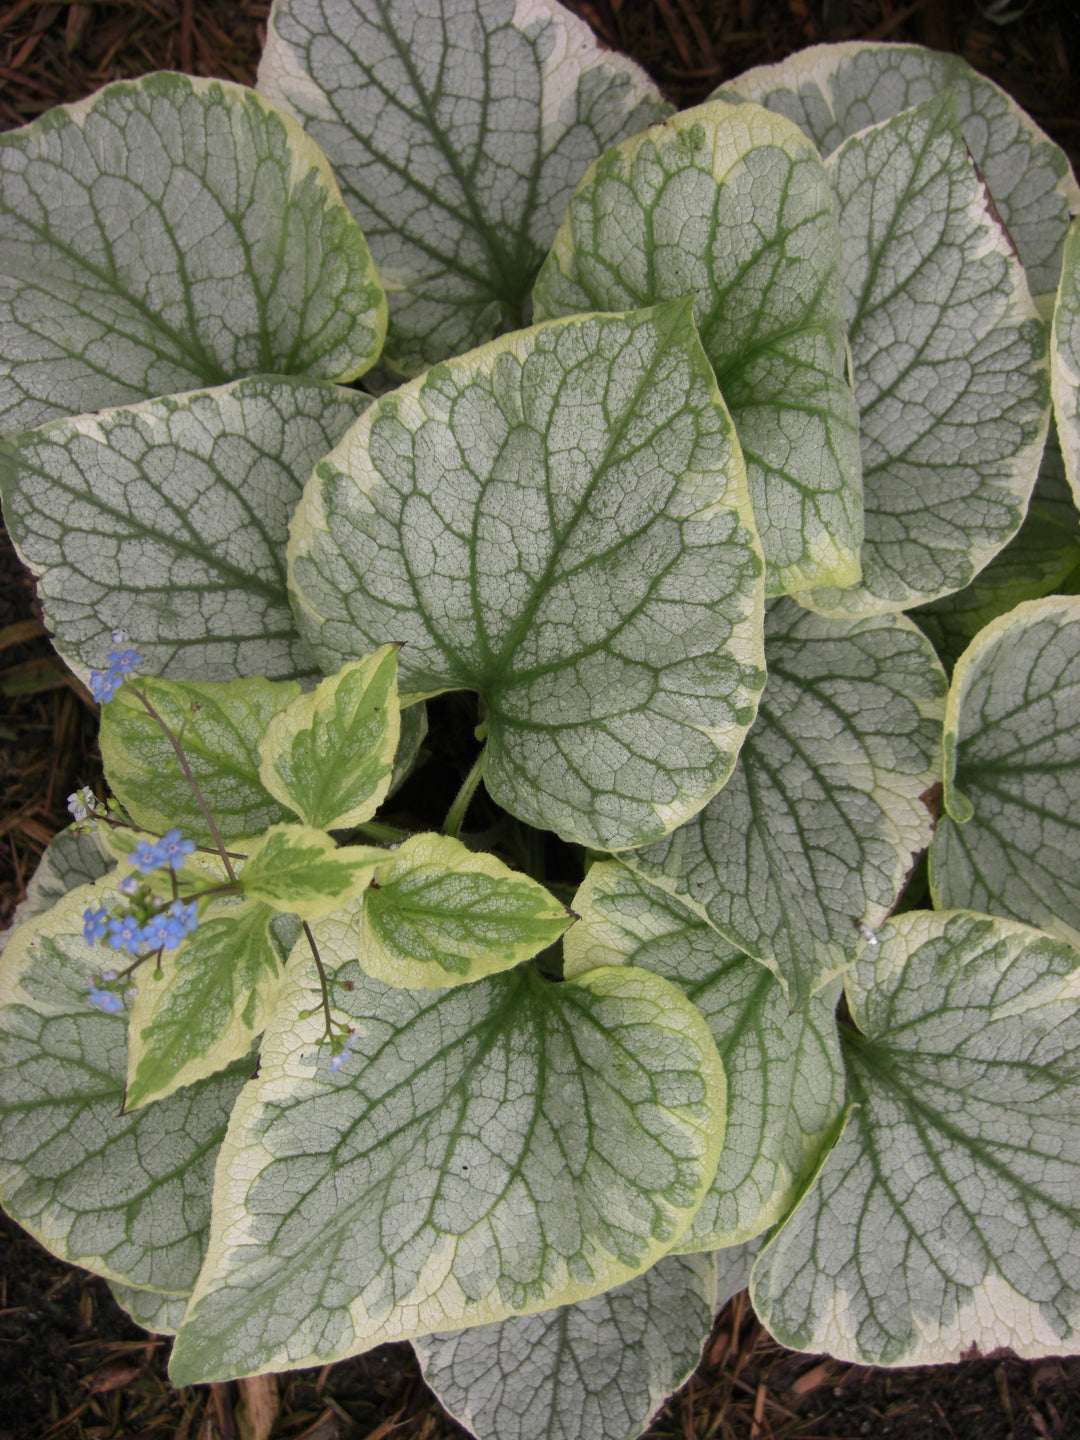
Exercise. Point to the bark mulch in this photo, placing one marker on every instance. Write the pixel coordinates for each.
(72, 1366)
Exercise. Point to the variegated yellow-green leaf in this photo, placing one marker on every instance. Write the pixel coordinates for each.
(329, 755)
(1042, 558)
(169, 519)
(946, 1221)
(169, 233)
(832, 91)
(204, 1004)
(441, 914)
(1065, 360)
(667, 213)
(127, 1196)
(487, 1150)
(785, 1073)
(815, 832)
(598, 1368)
(949, 358)
(300, 870)
(560, 522)
(1010, 840)
(219, 727)
(458, 132)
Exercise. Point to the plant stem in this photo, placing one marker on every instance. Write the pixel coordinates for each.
(175, 743)
(456, 814)
(322, 979)
(377, 831)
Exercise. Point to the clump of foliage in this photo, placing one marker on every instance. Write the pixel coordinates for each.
(701, 449)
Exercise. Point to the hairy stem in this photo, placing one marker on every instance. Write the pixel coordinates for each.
(322, 980)
(456, 814)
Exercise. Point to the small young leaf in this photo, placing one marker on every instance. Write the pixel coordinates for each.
(833, 91)
(169, 519)
(169, 233)
(441, 914)
(664, 214)
(329, 755)
(821, 821)
(785, 1073)
(458, 133)
(301, 871)
(1065, 360)
(949, 359)
(219, 727)
(596, 1369)
(1013, 774)
(214, 995)
(945, 1222)
(464, 1165)
(127, 1196)
(559, 521)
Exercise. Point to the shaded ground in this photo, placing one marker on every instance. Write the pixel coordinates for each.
(72, 1367)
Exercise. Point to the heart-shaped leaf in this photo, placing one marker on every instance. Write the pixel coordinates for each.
(1010, 842)
(169, 233)
(785, 1074)
(458, 133)
(169, 520)
(666, 214)
(493, 1149)
(559, 521)
(813, 835)
(945, 1222)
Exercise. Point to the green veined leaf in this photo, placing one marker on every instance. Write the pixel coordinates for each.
(457, 135)
(168, 233)
(785, 1073)
(666, 214)
(1010, 842)
(463, 1165)
(69, 859)
(832, 91)
(440, 914)
(329, 755)
(1042, 558)
(127, 1196)
(559, 521)
(946, 1217)
(598, 1368)
(1065, 360)
(949, 360)
(813, 835)
(204, 1009)
(169, 519)
(301, 870)
(160, 1314)
(221, 725)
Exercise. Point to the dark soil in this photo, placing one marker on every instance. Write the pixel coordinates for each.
(72, 1366)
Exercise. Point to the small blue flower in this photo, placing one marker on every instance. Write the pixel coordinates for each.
(128, 885)
(336, 1061)
(163, 932)
(106, 1000)
(104, 685)
(146, 857)
(95, 923)
(125, 933)
(173, 850)
(186, 915)
(124, 662)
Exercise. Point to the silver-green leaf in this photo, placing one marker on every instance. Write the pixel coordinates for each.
(494, 1149)
(668, 213)
(1065, 360)
(945, 1222)
(833, 91)
(169, 519)
(598, 1368)
(560, 522)
(949, 359)
(457, 132)
(813, 835)
(1010, 840)
(169, 233)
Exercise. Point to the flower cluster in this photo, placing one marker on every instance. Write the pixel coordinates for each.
(163, 929)
(167, 853)
(105, 683)
(340, 1046)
